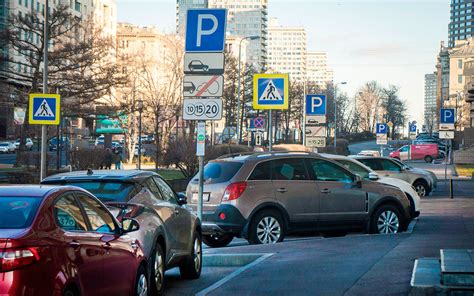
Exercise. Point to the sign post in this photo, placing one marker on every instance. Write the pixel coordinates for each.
(381, 134)
(412, 130)
(315, 129)
(446, 131)
(270, 92)
(203, 83)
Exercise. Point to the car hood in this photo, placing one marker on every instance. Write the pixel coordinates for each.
(404, 186)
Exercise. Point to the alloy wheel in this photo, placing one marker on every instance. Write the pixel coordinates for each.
(420, 189)
(142, 287)
(388, 222)
(268, 230)
(197, 254)
(159, 270)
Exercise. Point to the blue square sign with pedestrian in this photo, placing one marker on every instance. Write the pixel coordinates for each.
(205, 30)
(44, 109)
(315, 104)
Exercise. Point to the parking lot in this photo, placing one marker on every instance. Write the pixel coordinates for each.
(355, 264)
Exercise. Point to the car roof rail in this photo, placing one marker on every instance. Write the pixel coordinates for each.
(236, 154)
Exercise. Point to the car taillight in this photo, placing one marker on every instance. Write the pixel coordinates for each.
(234, 191)
(17, 258)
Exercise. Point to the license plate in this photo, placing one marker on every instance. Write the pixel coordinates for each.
(205, 197)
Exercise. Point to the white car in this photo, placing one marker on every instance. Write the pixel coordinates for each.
(369, 174)
(136, 151)
(4, 147)
(28, 143)
(369, 153)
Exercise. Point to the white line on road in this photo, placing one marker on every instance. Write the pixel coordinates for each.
(232, 275)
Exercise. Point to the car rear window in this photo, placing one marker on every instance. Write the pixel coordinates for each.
(372, 163)
(18, 212)
(222, 171)
(106, 190)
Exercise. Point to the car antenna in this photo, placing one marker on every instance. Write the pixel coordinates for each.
(90, 172)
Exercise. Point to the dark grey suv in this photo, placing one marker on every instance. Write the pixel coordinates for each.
(262, 197)
(170, 234)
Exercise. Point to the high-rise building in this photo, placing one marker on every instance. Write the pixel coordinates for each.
(182, 7)
(244, 18)
(317, 68)
(287, 51)
(461, 25)
(430, 102)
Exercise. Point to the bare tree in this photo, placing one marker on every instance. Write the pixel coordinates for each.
(369, 104)
(393, 107)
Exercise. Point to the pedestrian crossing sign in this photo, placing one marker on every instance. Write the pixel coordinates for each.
(270, 91)
(44, 109)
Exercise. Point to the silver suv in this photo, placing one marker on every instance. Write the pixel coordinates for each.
(262, 197)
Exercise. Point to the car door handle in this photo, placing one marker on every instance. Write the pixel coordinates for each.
(176, 212)
(74, 244)
(387, 175)
(325, 191)
(282, 190)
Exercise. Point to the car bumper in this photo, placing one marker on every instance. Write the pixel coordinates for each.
(225, 219)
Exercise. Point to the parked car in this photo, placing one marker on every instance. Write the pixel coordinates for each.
(441, 145)
(426, 152)
(64, 241)
(100, 140)
(53, 143)
(169, 233)
(136, 151)
(11, 146)
(264, 196)
(5, 148)
(369, 153)
(423, 181)
(368, 174)
(28, 143)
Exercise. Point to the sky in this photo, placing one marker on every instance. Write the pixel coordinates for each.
(390, 41)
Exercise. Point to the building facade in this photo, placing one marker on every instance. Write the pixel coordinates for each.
(287, 51)
(182, 7)
(431, 123)
(317, 69)
(461, 25)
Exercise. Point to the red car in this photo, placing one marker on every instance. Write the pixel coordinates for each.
(63, 241)
(427, 152)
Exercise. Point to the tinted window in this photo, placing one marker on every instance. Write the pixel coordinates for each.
(153, 188)
(222, 171)
(354, 167)
(68, 214)
(166, 191)
(289, 169)
(18, 212)
(390, 166)
(107, 190)
(328, 171)
(100, 220)
(371, 163)
(262, 171)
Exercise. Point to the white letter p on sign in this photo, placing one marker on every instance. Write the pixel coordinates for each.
(315, 103)
(200, 31)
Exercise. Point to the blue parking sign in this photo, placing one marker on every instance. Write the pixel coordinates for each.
(205, 30)
(315, 104)
(381, 128)
(447, 116)
(413, 128)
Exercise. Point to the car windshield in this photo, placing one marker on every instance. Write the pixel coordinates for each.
(222, 171)
(106, 190)
(355, 168)
(18, 212)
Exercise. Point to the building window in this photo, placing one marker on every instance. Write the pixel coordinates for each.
(459, 64)
(19, 2)
(460, 79)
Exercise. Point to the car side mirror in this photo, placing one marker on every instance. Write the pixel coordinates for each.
(130, 225)
(358, 181)
(373, 176)
(182, 199)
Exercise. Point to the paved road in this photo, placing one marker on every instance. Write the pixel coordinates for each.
(350, 265)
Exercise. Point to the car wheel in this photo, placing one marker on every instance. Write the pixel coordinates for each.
(428, 159)
(217, 241)
(267, 227)
(141, 283)
(386, 220)
(157, 280)
(71, 291)
(191, 267)
(421, 188)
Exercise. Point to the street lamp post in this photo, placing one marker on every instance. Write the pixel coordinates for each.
(140, 111)
(238, 86)
(335, 113)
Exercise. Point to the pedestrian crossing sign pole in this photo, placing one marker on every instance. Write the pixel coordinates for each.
(44, 109)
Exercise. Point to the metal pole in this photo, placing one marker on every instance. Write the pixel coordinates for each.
(270, 130)
(201, 186)
(446, 160)
(140, 139)
(238, 92)
(304, 115)
(44, 135)
(451, 188)
(335, 118)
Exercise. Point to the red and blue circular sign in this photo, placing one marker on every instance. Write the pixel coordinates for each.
(259, 122)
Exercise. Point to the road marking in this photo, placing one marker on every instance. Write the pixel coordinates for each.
(206, 86)
(233, 275)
